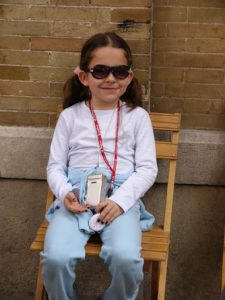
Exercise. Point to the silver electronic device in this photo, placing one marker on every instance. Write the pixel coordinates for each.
(96, 189)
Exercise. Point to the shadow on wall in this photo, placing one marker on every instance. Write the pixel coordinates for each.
(195, 259)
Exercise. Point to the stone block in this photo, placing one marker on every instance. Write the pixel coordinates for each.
(205, 15)
(200, 157)
(170, 14)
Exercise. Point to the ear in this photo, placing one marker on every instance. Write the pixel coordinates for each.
(83, 77)
(130, 77)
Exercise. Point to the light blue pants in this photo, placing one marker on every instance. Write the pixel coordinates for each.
(64, 247)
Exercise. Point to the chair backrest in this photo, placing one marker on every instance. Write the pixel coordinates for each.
(166, 149)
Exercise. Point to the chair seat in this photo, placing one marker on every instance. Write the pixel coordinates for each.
(154, 243)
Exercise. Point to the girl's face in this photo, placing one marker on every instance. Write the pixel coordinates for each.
(105, 92)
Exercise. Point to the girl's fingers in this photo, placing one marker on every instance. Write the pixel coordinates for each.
(104, 213)
(110, 216)
(74, 206)
(101, 206)
(77, 207)
(110, 211)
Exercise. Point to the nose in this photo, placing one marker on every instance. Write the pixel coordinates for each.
(110, 77)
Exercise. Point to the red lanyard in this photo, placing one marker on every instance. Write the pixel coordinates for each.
(113, 170)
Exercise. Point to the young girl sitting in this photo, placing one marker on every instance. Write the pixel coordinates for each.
(102, 131)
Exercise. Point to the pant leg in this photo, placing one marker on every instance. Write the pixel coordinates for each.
(64, 246)
(121, 250)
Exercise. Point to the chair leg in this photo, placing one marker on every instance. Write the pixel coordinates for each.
(155, 280)
(159, 270)
(162, 280)
(39, 294)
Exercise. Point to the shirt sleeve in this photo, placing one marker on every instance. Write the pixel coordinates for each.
(145, 166)
(58, 159)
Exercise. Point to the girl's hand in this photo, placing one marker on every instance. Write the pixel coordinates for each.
(109, 210)
(72, 204)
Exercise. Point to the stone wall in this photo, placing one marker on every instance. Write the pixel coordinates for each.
(188, 57)
(40, 45)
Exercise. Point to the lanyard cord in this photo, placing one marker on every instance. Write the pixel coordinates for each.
(105, 133)
(99, 136)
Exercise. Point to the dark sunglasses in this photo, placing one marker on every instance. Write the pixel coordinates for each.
(102, 71)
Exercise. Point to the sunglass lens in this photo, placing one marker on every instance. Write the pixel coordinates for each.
(100, 72)
(121, 72)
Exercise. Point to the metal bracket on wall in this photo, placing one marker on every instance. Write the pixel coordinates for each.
(126, 25)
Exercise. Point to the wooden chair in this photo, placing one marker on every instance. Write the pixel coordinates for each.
(155, 243)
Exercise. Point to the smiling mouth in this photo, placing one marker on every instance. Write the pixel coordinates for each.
(109, 88)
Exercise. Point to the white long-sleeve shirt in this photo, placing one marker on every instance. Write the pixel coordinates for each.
(75, 145)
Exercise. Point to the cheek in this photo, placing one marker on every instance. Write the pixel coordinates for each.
(94, 85)
(124, 86)
(123, 90)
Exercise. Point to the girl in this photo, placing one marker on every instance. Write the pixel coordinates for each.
(103, 130)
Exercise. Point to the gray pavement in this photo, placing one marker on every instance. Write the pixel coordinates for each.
(195, 256)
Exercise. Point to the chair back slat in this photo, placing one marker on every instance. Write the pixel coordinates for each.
(168, 122)
(166, 150)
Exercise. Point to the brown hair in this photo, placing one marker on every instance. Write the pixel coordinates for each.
(75, 91)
